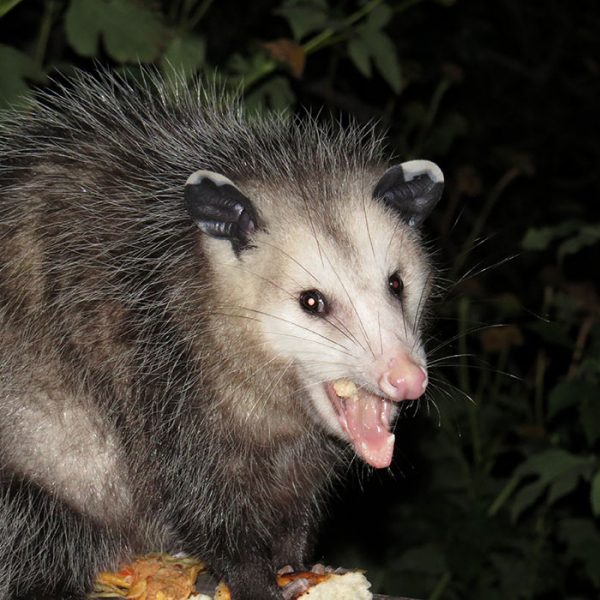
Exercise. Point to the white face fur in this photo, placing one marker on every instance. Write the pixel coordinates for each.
(340, 302)
(364, 323)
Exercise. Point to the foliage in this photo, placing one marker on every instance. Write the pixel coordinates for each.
(499, 494)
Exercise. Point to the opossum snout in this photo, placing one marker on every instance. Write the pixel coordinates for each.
(404, 379)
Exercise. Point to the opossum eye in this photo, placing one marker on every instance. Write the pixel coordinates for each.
(396, 284)
(312, 301)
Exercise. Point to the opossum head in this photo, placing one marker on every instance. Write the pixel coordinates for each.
(335, 279)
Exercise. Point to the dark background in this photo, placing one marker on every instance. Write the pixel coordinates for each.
(495, 492)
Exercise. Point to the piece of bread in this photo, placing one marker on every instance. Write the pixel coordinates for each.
(340, 586)
(345, 388)
(352, 585)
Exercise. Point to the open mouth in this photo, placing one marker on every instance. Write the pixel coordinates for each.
(366, 419)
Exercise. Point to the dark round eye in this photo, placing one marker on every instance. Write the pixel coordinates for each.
(312, 301)
(396, 284)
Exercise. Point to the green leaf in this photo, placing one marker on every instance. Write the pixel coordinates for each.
(595, 494)
(570, 393)
(563, 486)
(526, 497)
(15, 69)
(250, 70)
(549, 464)
(539, 238)
(551, 467)
(185, 54)
(84, 23)
(590, 365)
(379, 17)
(385, 58)
(304, 17)
(359, 54)
(588, 236)
(6, 5)
(133, 32)
(589, 415)
(275, 93)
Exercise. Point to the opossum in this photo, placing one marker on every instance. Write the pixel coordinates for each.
(182, 284)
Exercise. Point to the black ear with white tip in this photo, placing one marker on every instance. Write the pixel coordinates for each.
(219, 209)
(413, 188)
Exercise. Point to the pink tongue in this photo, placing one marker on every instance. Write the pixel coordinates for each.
(368, 426)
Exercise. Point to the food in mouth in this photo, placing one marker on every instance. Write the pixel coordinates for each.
(366, 419)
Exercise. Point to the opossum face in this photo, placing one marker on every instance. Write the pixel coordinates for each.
(338, 296)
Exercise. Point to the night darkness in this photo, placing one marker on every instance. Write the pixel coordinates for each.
(495, 488)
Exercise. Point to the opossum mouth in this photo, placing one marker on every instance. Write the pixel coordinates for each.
(366, 419)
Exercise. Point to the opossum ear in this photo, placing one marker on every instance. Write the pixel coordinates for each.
(413, 188)
(219, 209)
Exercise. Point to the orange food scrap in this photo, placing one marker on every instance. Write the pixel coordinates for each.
(152, 577)
(312, 578)
(222, 592)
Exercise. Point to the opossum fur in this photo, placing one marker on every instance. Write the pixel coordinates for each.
(161, 373)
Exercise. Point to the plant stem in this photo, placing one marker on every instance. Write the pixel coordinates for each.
(582, 337)
(406, 5)
(314, 44)
(328, 36)
(318, 41)
(541, 363)
(4, 8)
(503, 496)
(199, 14)
(441, 586)
(500, 373)
(540, 373)
(434, 107)
(250, 79)
(44, 33)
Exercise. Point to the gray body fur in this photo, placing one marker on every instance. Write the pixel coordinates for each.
(137, 413)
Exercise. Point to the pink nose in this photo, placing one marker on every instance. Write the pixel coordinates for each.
(404, 379)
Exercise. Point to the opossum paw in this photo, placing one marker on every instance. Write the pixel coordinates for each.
(321, 569)
(295, 588)
(285, 569)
